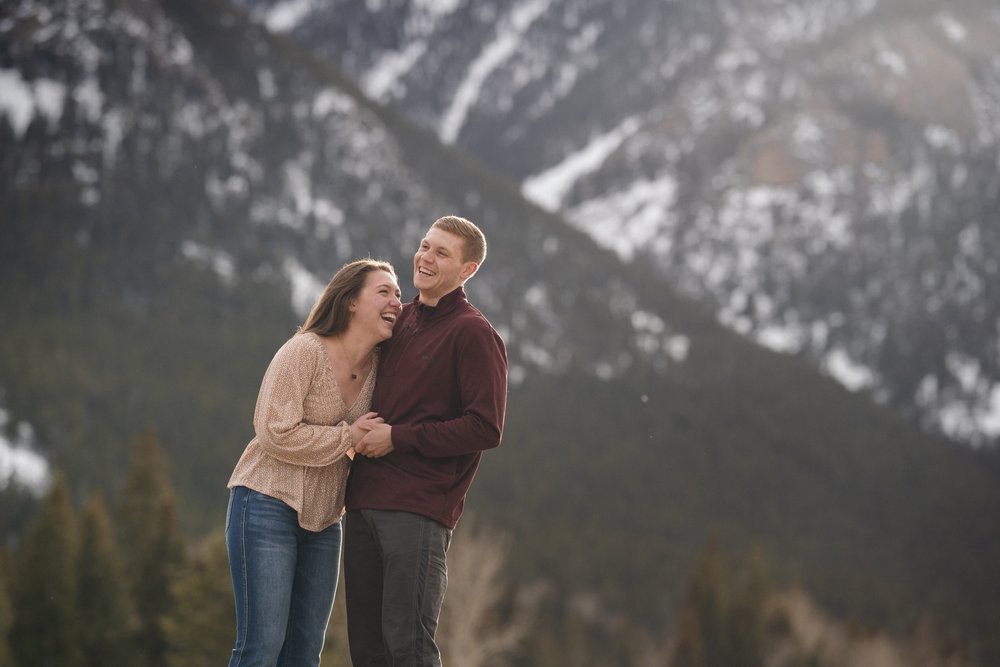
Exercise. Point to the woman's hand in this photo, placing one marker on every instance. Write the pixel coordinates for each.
(363, 424)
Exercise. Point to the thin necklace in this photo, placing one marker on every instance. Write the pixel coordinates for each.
(354, 376)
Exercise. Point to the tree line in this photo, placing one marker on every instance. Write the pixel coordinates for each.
(120, 584)
(115, 584)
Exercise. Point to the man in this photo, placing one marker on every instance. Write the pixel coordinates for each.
(442, 391)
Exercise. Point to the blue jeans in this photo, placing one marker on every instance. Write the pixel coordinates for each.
(395, 577)
(284, 580)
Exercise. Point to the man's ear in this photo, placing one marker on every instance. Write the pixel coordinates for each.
(468, 271)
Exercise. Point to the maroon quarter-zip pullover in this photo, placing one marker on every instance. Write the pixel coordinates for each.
(442, 386)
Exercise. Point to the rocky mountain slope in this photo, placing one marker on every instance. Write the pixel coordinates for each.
(824, 173)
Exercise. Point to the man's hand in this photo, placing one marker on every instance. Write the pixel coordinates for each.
(377, 443)
(360, 428)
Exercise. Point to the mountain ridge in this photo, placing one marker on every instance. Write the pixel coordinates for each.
(788, 163)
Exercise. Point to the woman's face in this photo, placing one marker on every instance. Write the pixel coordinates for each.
(377, 305)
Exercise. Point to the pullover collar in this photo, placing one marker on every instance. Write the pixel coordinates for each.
(445, 305)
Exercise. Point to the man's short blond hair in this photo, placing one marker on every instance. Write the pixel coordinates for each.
(472, 237)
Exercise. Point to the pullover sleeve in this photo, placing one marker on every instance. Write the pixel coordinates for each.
(279, 416)
(481, 373)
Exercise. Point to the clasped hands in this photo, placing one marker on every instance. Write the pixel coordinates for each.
(372, 436)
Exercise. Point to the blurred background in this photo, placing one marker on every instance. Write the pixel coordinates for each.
(743, 253)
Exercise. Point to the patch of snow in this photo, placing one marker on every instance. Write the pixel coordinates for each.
(807, 131)
(942, 137)
(927, 392)
(787, 337)
(221, 190)
(891, 198)
(266, 84)
(736, 58)
(651, 336)
(16, 100)
(84, 173)
(549, 188)
(509, 36)
(20, 99)
(219, 260)
(645, 321)
(113, 124)
(300, 187)
(329, 218)
(19, 462)
(191, 120)
(965, 369)
(379, 81)
(847, 372)
(988, 419)
(437, 7)
(286, 16)
(640, 216)
(89, 97)
(50, 97)
(332, 100)
(951, 27)
(808, 22)
(891, 60)
(701, 105)
(678, 347)
(181, 51)
(306, 287)
(537, 355)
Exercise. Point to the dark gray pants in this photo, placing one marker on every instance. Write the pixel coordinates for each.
(395, 576)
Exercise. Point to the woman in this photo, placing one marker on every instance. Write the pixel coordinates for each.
(283, 528)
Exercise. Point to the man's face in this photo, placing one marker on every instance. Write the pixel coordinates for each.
(439, 266)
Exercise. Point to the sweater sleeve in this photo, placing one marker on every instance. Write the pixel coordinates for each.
(481, 374)
(278, 418)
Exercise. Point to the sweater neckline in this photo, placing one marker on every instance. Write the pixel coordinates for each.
(328, 371)
(445, 304)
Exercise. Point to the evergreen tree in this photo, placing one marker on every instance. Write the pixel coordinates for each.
(747, 613)
(722, 623)
(104, 610)
(6, 612)
(199, 627)
(45, 631)
(689, 651)
(18, 506)
(151, 543)
(707, 598)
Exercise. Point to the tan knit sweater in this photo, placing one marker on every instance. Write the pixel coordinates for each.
(303, 432)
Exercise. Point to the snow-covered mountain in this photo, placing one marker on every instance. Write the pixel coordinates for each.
(827, 174)
(176, 183)
(135, 159)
